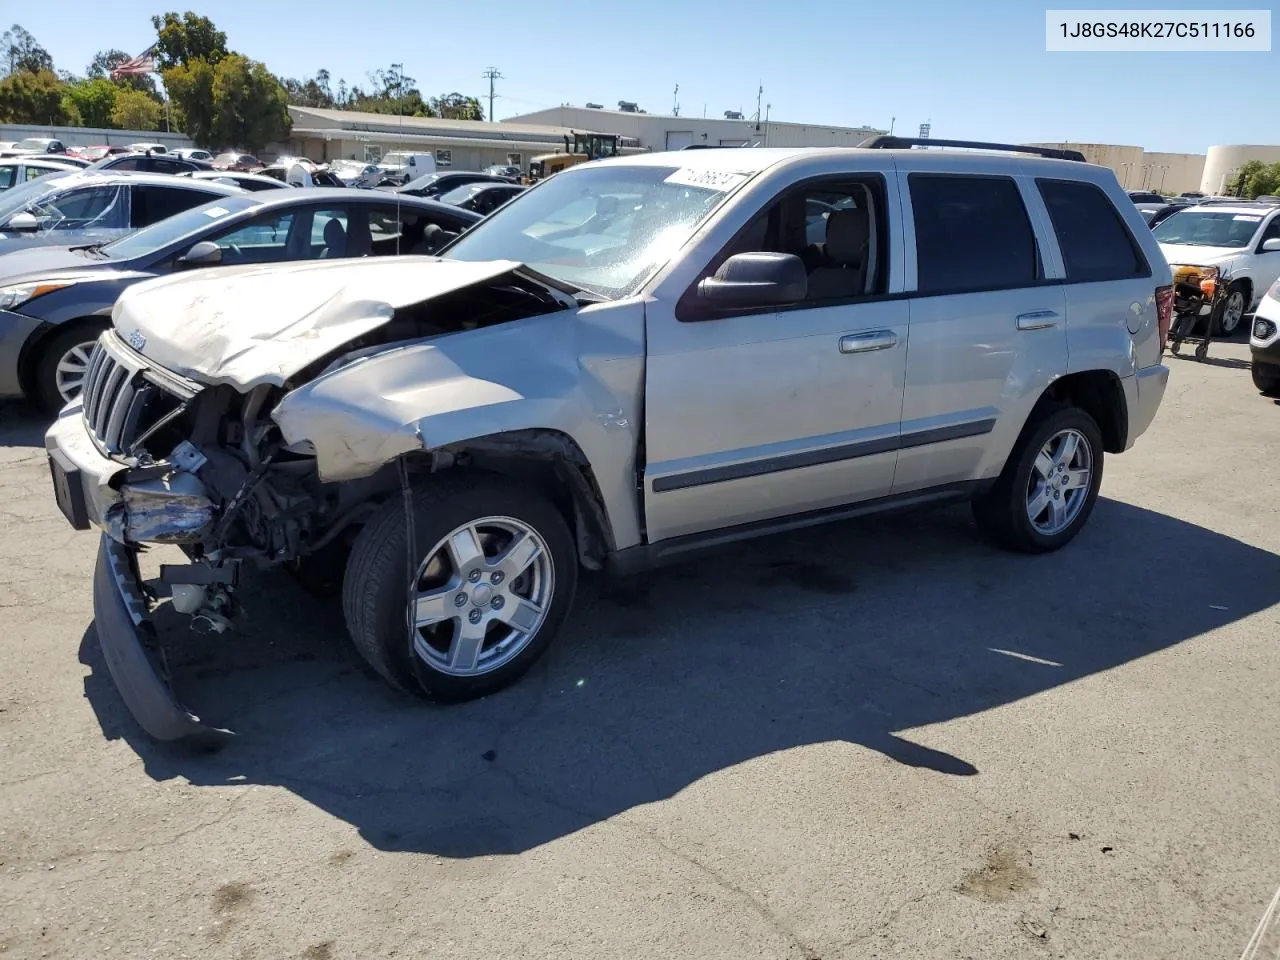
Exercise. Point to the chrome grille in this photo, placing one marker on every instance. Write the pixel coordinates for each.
(122, 398)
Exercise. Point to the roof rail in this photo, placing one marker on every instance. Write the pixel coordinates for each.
(886, 142)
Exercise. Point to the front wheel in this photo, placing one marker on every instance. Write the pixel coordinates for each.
(491, 580)
(1266, 377)
(1229, 311)
(62, 363)
(1049, 485)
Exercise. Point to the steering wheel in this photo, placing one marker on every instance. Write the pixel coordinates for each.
(235, 251)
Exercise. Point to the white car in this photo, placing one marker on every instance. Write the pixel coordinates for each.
(1237, 242)
(1264, 343)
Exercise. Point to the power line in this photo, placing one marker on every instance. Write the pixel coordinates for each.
(491, 75)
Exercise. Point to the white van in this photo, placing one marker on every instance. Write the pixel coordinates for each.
(407, 166)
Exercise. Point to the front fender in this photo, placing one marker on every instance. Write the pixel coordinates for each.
(577, 374)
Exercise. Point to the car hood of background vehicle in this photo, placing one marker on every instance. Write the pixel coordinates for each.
(254, 325)
(1195, 255)
(12, 242)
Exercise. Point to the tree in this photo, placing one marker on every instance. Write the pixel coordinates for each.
(250, 108)
(134, 110)
(33, 97)
(190, 89)
(181, 39)
(104, 61)
(1255, 178)
(455, 106)
(20, 53)
(93, 100)
(309, 93)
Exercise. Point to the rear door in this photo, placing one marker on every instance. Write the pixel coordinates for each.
(988, 326)
(152, 203)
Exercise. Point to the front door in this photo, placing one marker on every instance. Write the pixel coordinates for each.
(988, 324)
(759, 415)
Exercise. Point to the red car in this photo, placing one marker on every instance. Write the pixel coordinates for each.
(97, 153)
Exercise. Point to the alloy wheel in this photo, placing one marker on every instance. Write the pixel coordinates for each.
(1059, 484)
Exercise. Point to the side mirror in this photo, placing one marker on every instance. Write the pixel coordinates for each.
(756, 280)
(1271, 246)
(23, 223)
(206, 253)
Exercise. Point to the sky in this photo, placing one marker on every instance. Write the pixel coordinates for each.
(974, 72)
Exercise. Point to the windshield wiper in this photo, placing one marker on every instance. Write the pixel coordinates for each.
(94, 250)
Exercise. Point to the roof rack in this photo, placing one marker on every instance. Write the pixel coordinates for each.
(887, 142)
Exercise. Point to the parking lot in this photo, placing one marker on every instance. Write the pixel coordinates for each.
(877, 739)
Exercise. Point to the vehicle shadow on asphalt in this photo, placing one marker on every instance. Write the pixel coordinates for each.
(21, 425)
(860, 632)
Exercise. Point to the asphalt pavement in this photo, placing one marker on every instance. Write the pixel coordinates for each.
(881, 738)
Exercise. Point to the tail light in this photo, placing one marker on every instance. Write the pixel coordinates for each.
(1164, 311)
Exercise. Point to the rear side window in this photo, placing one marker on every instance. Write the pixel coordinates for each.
(153, 204)
(1096, 245)
(972, 233)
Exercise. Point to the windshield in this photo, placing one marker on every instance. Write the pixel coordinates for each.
(603, 230)
(1208, 228)
(459, 195)
(160, 235)
(20, 198)
(31, 144)
(395, 159)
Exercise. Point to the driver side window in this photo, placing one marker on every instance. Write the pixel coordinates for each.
(101, 207)
(835, 227)
(264, 240)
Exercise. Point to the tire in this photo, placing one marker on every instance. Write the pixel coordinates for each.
(375, 595)
(1002, 513)
(1234, 305)
(64, 344)
(1266, 377)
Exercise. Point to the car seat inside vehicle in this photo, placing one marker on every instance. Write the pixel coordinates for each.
(335, 240)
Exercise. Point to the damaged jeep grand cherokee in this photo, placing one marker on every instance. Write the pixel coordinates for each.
(637, 358)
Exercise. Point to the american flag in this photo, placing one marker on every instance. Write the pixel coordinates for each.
(143, 63)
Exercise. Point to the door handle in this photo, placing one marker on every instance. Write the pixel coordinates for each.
(868, 341)
(1037, 320)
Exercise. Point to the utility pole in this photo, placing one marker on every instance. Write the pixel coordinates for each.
(675, 101)
(491, 75)
(759, 97)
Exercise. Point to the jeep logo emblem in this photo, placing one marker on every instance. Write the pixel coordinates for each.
(137, 340)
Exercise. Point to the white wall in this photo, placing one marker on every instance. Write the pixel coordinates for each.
(1222, 162)
(1171, 173)
(93, 136)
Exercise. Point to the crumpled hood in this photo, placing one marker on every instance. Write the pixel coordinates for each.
(1198, 256)
(254, 325)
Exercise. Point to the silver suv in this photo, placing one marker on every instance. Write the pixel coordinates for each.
(637, 358)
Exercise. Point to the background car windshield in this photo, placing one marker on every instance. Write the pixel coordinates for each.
(461, 194)
(160, 235)
(1208, 229)
(603, 230)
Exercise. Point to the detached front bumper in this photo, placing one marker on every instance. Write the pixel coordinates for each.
(82, 481)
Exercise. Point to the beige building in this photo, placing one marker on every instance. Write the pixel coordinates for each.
(322, 135)
(1222, 162)
(1136, 169)
(655, 131)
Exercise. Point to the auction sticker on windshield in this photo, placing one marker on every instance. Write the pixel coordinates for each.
(1247, 218)
(215, 212)
(707, 179)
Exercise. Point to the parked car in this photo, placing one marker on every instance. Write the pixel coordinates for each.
(148, 148)
(35, 145)
(150, 163)
(57, 300)
(93, 154)
(353, 173)
(1236, 242)
(240, 162)
(192, 153)
(252, 182)
(435, 184)
(1146, 196)
(1155, 213)
(483, 198)
(301, 173)
(64, 160)
(1264, 344)
(506, 171)
(92, 208)
(16, 171)
(614, 384)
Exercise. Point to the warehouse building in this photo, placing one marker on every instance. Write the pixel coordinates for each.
(323, 135)
(654, 131)
(1137, 169)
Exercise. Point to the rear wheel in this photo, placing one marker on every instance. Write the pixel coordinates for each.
(61, 365)
(494, 571)
(1266, 377)
(1048, 487)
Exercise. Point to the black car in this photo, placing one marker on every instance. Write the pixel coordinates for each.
(149, 163)
(59, 299)
(442, 181)
(483, 198)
